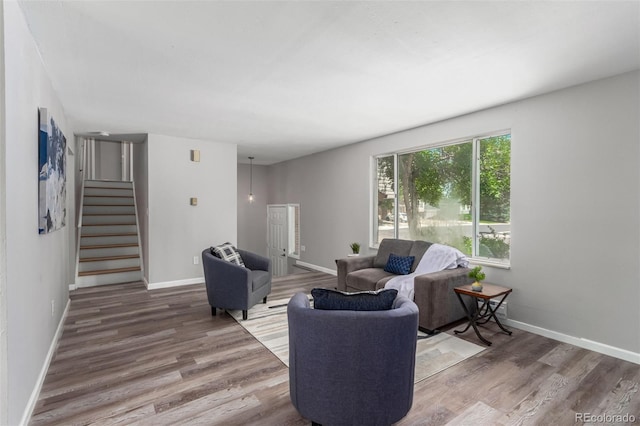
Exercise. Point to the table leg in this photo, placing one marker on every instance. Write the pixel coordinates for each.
(472, 319)
(495, 317)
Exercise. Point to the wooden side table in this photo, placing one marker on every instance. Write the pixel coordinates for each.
(483, 314)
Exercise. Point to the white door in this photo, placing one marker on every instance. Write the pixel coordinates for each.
(277, 238)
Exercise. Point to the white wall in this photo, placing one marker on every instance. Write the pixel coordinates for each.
(332, 189)
(37, 265)
(177, 230)
(141, 184)
(252, 217)
(575, 205)
(108, 160)
(3, 240)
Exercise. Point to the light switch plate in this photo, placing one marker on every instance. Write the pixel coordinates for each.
(194, 201)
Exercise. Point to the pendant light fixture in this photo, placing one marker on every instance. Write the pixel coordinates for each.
(251, 179)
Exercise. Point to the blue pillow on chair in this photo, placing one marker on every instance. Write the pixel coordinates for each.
(399, 265)
(326, 299)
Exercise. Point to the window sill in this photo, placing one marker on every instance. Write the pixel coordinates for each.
(480, 261)
(483, 261)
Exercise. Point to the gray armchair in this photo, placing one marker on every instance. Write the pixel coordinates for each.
(230, 286)
(352, 367)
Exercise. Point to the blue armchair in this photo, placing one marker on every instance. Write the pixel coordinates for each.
(352, 367)
(230, 286)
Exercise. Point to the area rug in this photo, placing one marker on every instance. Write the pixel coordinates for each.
(268, 323)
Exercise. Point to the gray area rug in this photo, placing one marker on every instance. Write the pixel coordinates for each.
(268, 324)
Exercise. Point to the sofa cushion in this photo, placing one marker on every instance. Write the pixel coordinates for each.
(388, 246)
(381, 283)
(327, 299)
(227, 252)
(366, 279)
(399, 265)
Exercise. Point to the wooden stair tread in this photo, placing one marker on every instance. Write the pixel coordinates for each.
(108, 214)
(122, 234)
(107, 180)
(89, 184)
(100, 246)
(108, 224)
(107, 196)
(107, 187)
(110, 205)
(120, 257)
(109, 271)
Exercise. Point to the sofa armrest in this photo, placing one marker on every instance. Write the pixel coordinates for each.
(350, 264)
(436, 299)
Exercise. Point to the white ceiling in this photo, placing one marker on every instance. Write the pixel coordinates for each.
(286, 79)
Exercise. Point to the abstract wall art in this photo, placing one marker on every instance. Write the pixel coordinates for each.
(52, 181)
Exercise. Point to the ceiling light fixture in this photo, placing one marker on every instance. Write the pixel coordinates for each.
(251, 179)
(94, 134)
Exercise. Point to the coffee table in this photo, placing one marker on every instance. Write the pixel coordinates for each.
(483, 314)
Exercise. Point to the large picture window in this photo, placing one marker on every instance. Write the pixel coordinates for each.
(456, 194)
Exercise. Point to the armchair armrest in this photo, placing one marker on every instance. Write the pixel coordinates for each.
(351, 264)
(435, 296)
(254, 261)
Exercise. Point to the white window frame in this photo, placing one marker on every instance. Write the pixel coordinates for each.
(293, 230)
(475, 195)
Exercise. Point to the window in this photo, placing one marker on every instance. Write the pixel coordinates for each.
(386, 198)
(456, 194)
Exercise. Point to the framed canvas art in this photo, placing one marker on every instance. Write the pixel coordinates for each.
(52, 181)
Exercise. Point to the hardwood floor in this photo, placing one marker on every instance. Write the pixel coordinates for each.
(132, 356)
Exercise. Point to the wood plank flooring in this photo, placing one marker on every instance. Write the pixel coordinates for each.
(132, 356)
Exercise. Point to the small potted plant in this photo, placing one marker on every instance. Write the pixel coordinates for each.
(355, 248)
(477, 274)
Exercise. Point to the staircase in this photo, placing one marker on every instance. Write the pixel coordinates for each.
(109, 251)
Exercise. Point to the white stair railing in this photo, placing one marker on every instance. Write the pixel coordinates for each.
(79, 228)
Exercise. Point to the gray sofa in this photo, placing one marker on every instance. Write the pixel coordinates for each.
(434, 293)
(352, 367)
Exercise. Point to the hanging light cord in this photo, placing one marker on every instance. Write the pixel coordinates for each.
(251, 178)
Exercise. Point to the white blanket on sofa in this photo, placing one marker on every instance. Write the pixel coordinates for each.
(438, 257)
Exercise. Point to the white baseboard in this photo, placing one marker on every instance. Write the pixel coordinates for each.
(73, 287)
(31, 404)
(577, 341)
(177, 283)
(316, 267)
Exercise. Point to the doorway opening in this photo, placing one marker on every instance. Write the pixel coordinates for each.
(283, 236)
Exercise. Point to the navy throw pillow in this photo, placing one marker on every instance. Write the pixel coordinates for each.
(399, 265)
(326, 299)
